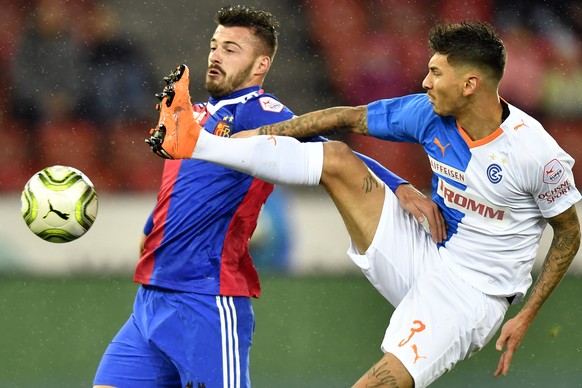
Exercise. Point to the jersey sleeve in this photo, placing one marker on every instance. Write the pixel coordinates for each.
(262, 110)
(548, 175)
(401, 119)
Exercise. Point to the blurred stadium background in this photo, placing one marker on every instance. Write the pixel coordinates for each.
(79, 77)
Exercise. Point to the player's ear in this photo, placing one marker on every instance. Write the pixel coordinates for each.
(472, 82)
(262, 64)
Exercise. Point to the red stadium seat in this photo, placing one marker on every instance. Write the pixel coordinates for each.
(78, 144)
(136, 167)
(16, 167)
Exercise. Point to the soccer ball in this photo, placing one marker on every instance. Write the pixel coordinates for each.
(59, 204)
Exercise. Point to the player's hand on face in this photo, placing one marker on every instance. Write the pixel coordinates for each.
(248, 133)
(423, 209)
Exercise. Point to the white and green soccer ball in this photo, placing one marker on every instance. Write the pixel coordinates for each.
(59, 204)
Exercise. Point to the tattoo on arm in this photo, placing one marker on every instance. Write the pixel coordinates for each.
(370, 182)
(362, 123)
(381, 376)
(322, 122)
(563, 249)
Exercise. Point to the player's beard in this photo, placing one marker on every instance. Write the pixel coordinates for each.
(228, 84)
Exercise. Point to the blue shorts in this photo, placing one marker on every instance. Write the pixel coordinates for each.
(178, 339)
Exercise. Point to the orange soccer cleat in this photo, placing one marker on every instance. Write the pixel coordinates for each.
(177, 132)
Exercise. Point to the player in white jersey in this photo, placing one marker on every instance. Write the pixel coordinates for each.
(499, 178)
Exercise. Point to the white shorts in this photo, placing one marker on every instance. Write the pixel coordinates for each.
(439, 318)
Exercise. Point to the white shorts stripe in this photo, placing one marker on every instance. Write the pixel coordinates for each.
(229, 335)
(222, 331)
(235, 340)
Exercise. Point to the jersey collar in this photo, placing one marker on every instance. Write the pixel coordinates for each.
(237, 97)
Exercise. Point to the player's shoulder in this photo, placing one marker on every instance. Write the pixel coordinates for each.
(531, 145)
(262, 109)
(410, 101)
(524, 129)
(266, 102)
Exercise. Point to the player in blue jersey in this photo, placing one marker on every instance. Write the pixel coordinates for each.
(498, 178)
(193, 322)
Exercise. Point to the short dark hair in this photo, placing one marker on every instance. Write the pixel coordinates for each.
(263, 23)
(470, 43)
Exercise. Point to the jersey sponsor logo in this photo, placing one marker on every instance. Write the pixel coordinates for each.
(466, 203)
(441, 147)
(446, 170)
(494, 173)
(553, 172)
(271, 105)
(551, 195)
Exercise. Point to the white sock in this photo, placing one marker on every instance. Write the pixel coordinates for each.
(274, 159)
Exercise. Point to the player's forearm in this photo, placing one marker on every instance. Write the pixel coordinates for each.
(333, 120)
(563, 249)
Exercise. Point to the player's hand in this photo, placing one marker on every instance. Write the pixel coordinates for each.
(423, 209)
(248, 133)
(512, 334)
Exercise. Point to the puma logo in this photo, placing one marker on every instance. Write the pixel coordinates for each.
(520, 125)
(418, 328)
(64, 216)
(416, 356)
(438, 144)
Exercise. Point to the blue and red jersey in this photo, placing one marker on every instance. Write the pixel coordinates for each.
(198, 233)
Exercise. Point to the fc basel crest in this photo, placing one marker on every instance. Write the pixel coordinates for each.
(223, 128)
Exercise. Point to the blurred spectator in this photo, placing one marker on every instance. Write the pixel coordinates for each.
(338, 29)
(119, 100)
(119, 77)
(75, 78)
(16, 167)
(550, 56)
(368, 47)
(562, 81)
(46, 70)
(459, 10)
(11, 20)
(527, 58)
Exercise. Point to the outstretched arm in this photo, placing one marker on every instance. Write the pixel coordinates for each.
(564, 246)
(322, 122)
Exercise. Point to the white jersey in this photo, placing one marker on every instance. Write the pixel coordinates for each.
(495, 193)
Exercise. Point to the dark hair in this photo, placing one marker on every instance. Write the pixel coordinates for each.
(263, 23)
(470, 43)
